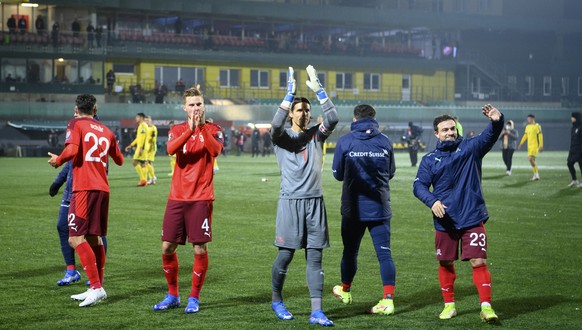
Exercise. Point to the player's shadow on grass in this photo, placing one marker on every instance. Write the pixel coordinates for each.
(519, 184)
(566, 192)
(495, 177)
(513, 307)
(18, 275)
(263, 298)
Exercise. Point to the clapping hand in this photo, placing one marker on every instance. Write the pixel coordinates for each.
(291, 89)
(315, 85)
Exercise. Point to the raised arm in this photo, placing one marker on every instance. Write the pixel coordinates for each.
(278, 123)
(175, 143)
(486, 140)
(329, 111)
(213, 139)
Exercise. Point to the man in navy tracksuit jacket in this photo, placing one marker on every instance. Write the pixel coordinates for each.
(364, 161)
(453, 170)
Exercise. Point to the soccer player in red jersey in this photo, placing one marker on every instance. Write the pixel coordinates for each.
(88, 144)
(196, 143)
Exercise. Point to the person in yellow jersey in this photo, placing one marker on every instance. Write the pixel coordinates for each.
(139, 143)
(535, 143)
(459, 126)
(172, 157)
(151, 149)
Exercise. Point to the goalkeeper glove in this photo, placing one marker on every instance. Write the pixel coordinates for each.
(315, 85)
(291, 89)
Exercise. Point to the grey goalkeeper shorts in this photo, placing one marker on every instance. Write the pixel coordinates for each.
(302, 223)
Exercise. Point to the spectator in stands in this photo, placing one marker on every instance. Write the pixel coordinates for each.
(55, 34)
(207, 37)
(283, 44)
(76, 28)
(110, 81)
(160, 91)
(9, 78)
(11, 23)
(22, 26)
(91, 80)
(178, 26)
(137, 95)
(255, 139)
(180, 87)
(90, 34)
(39, 25)
(98, 35)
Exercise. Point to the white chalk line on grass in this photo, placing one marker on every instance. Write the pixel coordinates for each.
(521, 167)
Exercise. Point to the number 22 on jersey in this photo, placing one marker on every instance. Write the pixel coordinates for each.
(93, 154)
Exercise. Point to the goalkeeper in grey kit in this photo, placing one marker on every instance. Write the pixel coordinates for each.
(301, 215)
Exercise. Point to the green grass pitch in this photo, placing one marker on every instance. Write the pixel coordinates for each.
(535, 241)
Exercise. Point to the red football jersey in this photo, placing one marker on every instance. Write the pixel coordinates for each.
(96, 142)
(193, 178)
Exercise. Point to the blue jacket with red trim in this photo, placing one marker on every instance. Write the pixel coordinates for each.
(453, 170)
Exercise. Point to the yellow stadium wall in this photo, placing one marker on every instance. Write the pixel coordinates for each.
(426, 85)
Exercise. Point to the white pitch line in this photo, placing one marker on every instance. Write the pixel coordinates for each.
(521, 167)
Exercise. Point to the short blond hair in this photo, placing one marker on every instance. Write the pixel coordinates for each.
(192, 92)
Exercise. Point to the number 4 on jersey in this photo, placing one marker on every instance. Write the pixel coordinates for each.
(206, 227)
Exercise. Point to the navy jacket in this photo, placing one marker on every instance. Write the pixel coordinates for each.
(453, 170)
(66, 175)
(364, 161)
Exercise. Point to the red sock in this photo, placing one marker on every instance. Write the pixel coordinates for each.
(388, 291)
(447, 278)
(71, 267)
(87, 258)
(482, 280)
(99, 252)
(170, 264)
(198, 274)
(346, 287)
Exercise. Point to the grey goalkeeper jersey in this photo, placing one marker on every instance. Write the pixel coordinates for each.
(300, 154)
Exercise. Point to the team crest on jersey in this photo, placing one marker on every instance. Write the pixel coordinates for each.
(201, 138)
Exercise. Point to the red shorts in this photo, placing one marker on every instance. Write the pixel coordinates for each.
(88, 213)
(187, 219)
(473, 243)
